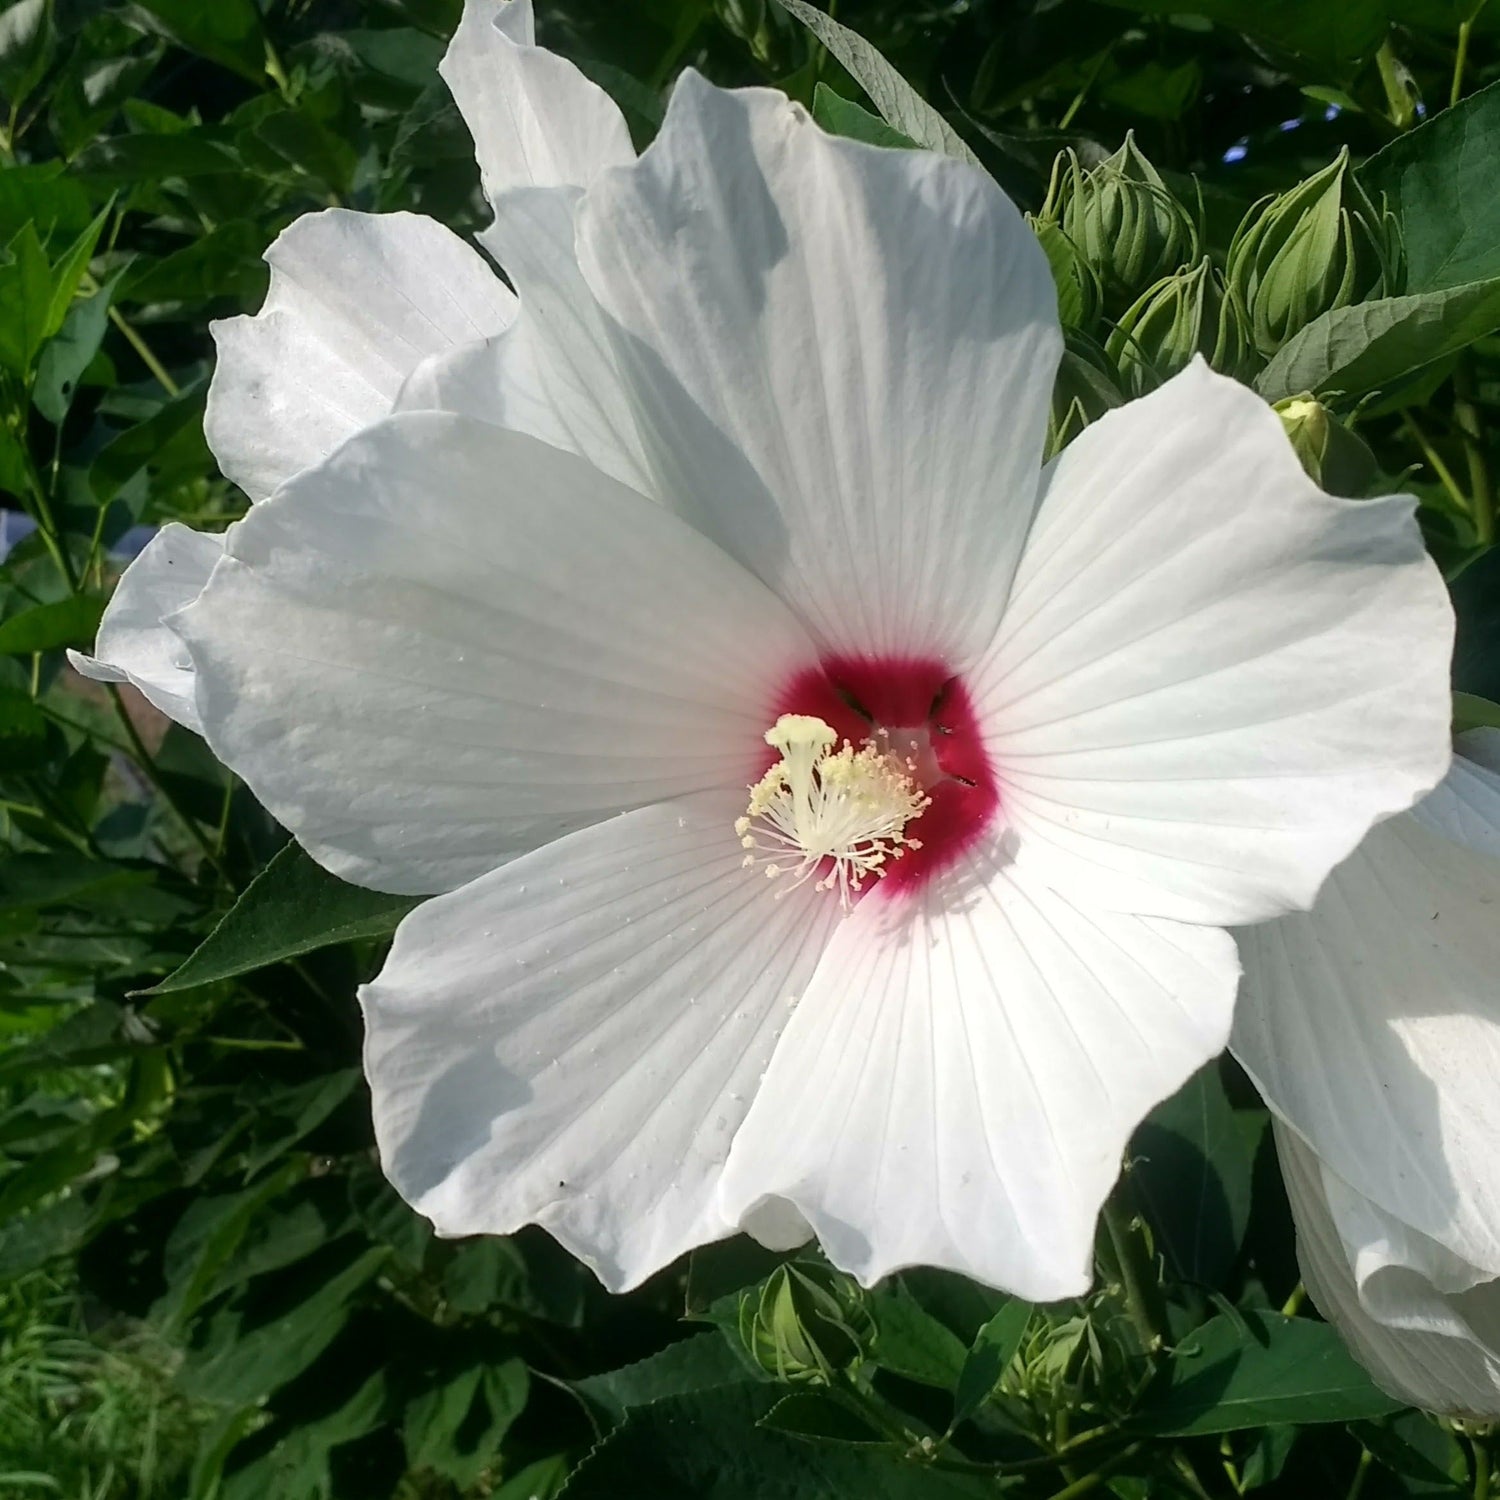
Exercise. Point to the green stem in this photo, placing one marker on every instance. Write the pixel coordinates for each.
(1470, 424)
(1138, 1276)
(142, 348)
(1481, 1468)
(144, 759)
(1436, 464)
(1456, 92)
(1361, 1473)
(1091, 1481)
(1293, 1304)
(1088, 83)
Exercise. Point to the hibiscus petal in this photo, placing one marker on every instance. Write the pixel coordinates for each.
(1212, 677)
(841, 360)
(1466, 806)
(451, 643)
(1372, 1025)
(535, 119)
(552, 373)
(356, 302)
(134, 644)
(573, 1040)
(1437, 1350)
(960, 1079)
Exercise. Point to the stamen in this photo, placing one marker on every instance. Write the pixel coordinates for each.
(846, 807)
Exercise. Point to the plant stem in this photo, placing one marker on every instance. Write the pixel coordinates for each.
(1481, 1468)
(1436, 464)
(1293, 1304)
(1460, 58)
(1138, 1276)
(1470, 424)
(1091, 1481)
(1361, 1473)
(144, 759)
(147, 354)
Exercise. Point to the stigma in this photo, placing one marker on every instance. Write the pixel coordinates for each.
(830, 813)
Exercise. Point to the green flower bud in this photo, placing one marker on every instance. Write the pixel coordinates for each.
(1123, 220)
(1319, 246)
(1334, 457)
(1182, 315)
(1078, 291)
(806, 1324)
(1084, 389)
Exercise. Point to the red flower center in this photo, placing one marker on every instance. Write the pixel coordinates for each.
(925, 712)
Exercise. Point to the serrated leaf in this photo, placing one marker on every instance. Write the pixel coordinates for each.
(1439, 181)
(694, 1364)
(1259, 1370)
(900, 105)
(292, 907)
(823, 1417)
(1361, 348)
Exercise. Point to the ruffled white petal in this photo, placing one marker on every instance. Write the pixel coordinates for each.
(552, 373)
(134, 643)
(960, 1079)
(1426, 1328)
(450, 643)
(1372, 1023)
(356, 302)
(1465, 807)
(1212, 677)
(574, 1040)
(841, 360)
(536, 120)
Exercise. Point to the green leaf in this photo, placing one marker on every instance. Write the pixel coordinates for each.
(227, 31)
(26, 40)
(1259, 1369)
(1439, 181)
(695, 1364)
(1470, 712)
(823, 1417)
(1361, 348)
(224, 262)
(310, 147)
(23, 733)
(143, 446)
(455, 1425)
(996, 1345)
(708, 1444)
(1328, 35)
(46, 627)
(25, 300)
(69, 352)
(1192, 1167)
(840, 116)
(910, 1342)
(293, 906)
(900, 105)
(129, 160)
(267, 1334)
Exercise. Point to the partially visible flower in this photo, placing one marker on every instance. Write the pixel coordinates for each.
(1123, 220)
(1371, 1025)
(1180, 316)
(1318, 246)
(835, 815)
(359, 304)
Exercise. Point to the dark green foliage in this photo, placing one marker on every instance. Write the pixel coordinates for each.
(207, 1288)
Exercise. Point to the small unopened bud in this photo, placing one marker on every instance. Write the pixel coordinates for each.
(1123, 220)
(1319, 246)
(1182, 315)
(1334, 457)
(806, 1324)
(1078, 291)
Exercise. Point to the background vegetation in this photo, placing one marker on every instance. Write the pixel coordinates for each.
(206, 1287)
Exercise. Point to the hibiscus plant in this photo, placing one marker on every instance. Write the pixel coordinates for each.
(750, 750)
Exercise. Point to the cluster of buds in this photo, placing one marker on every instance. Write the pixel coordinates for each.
(806, 1324)
(1138, 298)
(1122, 220)
(1322, 245)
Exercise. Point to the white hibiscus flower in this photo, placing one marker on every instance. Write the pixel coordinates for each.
(838, 814)
(1372, 1026)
